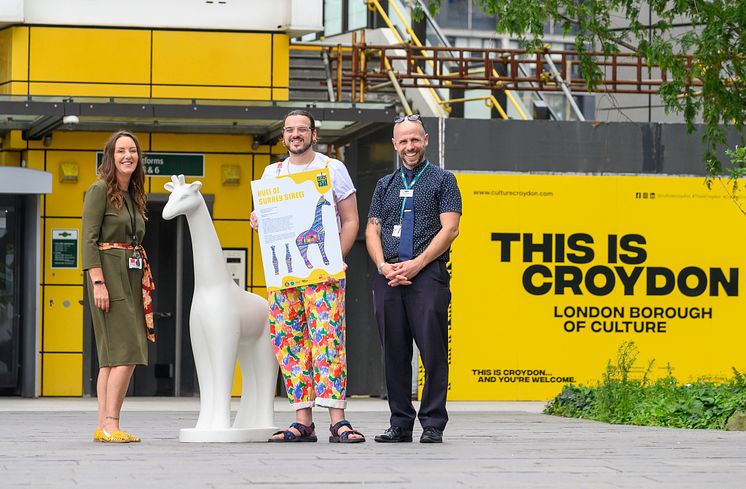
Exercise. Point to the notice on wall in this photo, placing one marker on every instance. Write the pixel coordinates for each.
(298, 229)
(167, 164)
(64, 248)
(550, 274)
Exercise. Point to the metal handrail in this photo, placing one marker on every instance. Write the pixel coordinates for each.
(476, 70)
(489, 100)
(376, 5)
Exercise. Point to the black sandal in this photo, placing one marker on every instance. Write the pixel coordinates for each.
(344, 437)
(306, 434)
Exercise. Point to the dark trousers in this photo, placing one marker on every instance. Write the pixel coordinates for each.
(420, 312)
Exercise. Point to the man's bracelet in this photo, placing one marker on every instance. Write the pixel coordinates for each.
(380, 267)
(98, 282)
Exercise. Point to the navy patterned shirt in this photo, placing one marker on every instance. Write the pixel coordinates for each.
(435, 192)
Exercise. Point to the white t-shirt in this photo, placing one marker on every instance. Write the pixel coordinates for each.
(342, 186)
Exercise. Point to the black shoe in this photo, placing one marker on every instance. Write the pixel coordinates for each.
(394, 435)
(431, 435)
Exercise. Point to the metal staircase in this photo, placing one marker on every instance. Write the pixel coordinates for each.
(423, 73)
(317, 74)
(308, 75)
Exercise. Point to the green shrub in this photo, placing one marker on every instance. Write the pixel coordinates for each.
(622, 398)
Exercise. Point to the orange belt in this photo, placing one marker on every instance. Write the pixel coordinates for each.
(147, 284)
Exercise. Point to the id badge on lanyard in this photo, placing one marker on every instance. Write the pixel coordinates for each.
(134, 261)
(406, 193)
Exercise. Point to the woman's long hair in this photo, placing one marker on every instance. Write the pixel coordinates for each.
(108, 173)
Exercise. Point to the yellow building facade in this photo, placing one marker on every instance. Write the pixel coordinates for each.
(117, 63)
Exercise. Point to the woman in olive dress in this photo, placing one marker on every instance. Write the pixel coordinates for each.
(118, 278)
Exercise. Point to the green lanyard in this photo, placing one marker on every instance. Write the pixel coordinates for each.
(408, 187)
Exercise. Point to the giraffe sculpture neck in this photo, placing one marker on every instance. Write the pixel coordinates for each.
(210, 268)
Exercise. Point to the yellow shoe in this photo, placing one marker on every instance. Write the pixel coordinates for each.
(133, 438)
(98, 435)
(116, 437)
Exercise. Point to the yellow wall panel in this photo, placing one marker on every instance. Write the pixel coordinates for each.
(15, 88)
(257, 272)
(221, 93)
(231, 201)
(34, 160)
(6, 46)
(90, 55)
(280, 60)
(277, 150)
(68, 276)
(260, 163)
(10, 158)
(212, 58)
(14, 140)
(154, 185)
(280, 94)
(19, 58)
(66, 199)
(234, 234)
(63, 319)
(89, 90)
(262, 291)
(62, 374)
(200, 143)
(237, 379)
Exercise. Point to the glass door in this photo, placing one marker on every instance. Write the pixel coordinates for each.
(9, 293)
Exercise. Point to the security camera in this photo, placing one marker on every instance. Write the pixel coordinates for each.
(71, 120)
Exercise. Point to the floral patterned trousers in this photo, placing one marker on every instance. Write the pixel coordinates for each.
(308, 337)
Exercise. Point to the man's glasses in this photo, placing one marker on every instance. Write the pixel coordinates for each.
(298, 129)
(410, 118)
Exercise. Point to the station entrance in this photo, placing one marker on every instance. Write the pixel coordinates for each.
(10, 293)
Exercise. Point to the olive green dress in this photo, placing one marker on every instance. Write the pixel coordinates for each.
(120, 333)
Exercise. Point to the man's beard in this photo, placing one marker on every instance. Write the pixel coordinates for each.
(300, 151)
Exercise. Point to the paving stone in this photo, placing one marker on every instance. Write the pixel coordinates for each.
(487, 445)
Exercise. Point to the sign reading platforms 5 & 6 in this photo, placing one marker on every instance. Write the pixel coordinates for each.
(167, 164)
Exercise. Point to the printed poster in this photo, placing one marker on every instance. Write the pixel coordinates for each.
(552, 273)
(298, 229)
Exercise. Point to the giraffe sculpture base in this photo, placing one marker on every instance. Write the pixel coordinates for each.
(230, 435)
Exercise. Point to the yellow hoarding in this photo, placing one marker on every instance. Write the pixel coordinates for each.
(550, 274)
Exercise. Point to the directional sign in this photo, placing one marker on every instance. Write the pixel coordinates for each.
(167, 164)
(64, 248)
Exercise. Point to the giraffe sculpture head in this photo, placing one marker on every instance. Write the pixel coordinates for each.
(184, 198)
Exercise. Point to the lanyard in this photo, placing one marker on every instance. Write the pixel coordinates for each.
(133, 220)
(409, 186)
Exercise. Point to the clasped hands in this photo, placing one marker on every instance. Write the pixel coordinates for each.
(401, 273)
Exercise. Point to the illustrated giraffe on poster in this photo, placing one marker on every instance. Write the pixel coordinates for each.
(288, 258)
(314, 235)
(275, 263)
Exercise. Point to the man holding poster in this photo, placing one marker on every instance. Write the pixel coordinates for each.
(305, 275)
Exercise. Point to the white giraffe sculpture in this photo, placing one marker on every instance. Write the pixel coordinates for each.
(225, 322)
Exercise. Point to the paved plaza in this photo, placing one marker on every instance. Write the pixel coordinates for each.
(46, 443)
